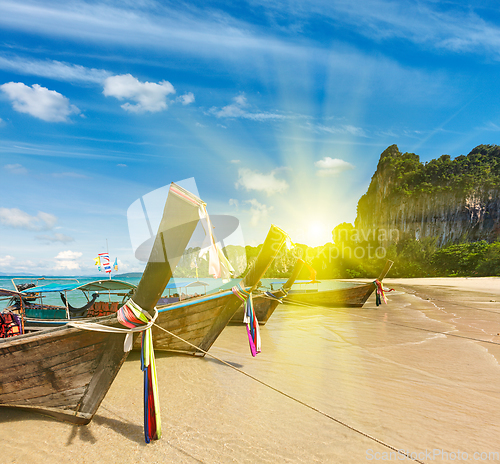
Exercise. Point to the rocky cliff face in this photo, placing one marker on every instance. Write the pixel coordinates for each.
(451, 200)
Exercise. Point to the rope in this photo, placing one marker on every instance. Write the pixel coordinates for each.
(338, 421)
(136, 319)
(270, 296)
(127, 345)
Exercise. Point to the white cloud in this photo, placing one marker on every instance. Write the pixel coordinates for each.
(14, 217)
(61, 238)
(331, 166)
(66, 265)
(16, 168)
(67, 260)
(39, 102)
(254, 180)
(344, 129)
(6, 260)
(68, 254)
(457, 27)
(53, 70)
(121, 165)
(74, 175)
(148, 96)
(258, 212)
(186, 99)
(237, 109)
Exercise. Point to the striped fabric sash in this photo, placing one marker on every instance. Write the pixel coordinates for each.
(240, 292)
(131, 315)
(250, 319)
(379, 293)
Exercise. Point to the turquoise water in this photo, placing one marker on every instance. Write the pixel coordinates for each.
(77, 298)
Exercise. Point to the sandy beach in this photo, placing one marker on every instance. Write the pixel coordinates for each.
(419, 374)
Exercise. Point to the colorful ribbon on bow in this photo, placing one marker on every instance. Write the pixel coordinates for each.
(131, 315)
(249, 318)
(380, 292)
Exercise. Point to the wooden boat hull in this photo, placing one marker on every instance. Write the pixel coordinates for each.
(66, 372)
(198, 320)
(355, 295)
(263, 306)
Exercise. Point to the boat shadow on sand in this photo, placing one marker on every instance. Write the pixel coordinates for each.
(129, 430)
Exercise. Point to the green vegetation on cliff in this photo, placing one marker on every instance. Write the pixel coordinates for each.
(405, 175)
(445, 212)
(480, 168)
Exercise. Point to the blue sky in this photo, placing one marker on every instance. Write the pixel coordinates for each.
(279, 110)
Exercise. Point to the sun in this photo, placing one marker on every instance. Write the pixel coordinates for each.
(317, 233)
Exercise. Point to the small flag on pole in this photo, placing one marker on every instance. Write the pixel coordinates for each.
(115, 265)
(106, 263)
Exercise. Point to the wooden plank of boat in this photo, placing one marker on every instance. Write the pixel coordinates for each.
(65, 372)
(353, 294)
(265, 303)
(200, 320)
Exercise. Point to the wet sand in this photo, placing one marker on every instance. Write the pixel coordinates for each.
(410, 374)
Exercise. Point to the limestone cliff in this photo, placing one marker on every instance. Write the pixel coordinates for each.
(452, 200)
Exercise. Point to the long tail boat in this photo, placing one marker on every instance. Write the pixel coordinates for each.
(264, 303)
(200, 320)
(65, 372)
(39, 312)
(348, 294)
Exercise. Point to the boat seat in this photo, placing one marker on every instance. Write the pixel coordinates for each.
(102, 308)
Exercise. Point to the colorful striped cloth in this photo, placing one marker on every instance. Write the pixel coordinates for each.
(250, 319)
(380, 292)
(131, 315)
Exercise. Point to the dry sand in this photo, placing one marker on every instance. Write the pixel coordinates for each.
(410, 374)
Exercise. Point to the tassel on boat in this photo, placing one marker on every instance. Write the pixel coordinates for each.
(379, 293)
(130, 315)
(252, 323)
(152, 420)
(249, 318)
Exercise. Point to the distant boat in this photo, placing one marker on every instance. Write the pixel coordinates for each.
(265, 303)
(41, 315)
(348, 293)
(65, 372)
(200, 320)
(182, 291)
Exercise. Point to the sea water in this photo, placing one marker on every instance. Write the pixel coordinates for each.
(77, 298)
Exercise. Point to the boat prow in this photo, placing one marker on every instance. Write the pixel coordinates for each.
(348, 294)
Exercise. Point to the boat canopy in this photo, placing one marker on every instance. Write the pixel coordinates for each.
(101, 285)
(5, 292)
(53, 287)
(96, 286)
